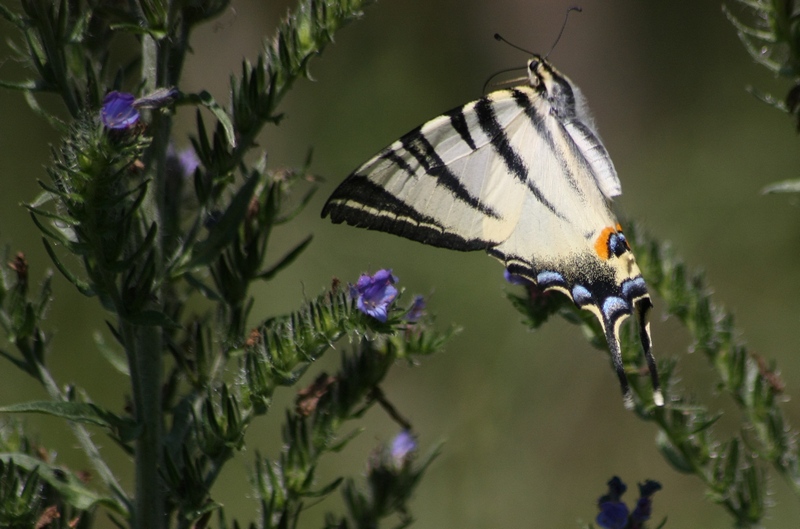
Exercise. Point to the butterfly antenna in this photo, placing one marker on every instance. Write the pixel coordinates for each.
(563, 25)
(500, 38)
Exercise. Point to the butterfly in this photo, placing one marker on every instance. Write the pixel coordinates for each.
(521, 174)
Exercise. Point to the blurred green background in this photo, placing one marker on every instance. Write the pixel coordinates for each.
(533, 422)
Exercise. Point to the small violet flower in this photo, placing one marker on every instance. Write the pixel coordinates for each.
(616, 488)
(403, 446)
(188, 161)
(644, 505)
(118, 111)
(374, 294)
(613, 515)
(181, 164)
(417, 310)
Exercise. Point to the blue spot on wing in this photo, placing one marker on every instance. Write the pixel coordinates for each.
(634, 287)
(581, 295)
(548, 278)
(613, 306)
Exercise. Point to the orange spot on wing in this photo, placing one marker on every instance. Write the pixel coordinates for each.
(601, 243)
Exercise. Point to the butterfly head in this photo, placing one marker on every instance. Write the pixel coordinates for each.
(552, 84)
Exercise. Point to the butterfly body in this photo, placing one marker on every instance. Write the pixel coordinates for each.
(522, 174)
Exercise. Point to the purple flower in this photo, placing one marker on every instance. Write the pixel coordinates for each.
(403, 446)
(188, 161)
(417, 310)
(616, 488)
(613, 515)
(644, 505)
(118, 111)
(375, 293)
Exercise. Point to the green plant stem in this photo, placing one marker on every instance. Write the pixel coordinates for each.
(143, 345)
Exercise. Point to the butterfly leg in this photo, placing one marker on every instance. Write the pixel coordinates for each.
(642, 308)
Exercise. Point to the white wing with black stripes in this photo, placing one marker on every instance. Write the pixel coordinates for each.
(521, 174)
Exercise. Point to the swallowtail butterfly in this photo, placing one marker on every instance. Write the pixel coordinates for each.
(522, 174)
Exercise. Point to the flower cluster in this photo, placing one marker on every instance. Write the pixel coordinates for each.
(614, 514)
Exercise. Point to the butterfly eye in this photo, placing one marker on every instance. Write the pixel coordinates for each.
(534, 76)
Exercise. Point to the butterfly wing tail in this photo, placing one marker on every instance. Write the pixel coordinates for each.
(643, 307)
(611, 329)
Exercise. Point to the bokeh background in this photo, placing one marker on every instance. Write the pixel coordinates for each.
(533, 423)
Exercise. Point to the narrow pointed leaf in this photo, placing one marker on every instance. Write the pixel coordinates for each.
(82, 286)
(207, 100)
(786, 186)
(82, 412)
(70, 488)
(286, 260)
(201, 287)
(114, 357)
(152, 318)
(221, 234)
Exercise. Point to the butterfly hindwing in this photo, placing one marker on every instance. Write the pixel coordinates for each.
(521, 174)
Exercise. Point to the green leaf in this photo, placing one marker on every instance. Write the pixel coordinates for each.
(22, 86)
(71, 489)
(114, 357)
(152, 318)
(201, 287)
(136, 29)
(136, 256)
(207, 100)
(13, 18)
(324, 491)
(67, 221)
(222, 233)
(786, 186)
(54, 122)
(82, 412)
(82, 286)
(672, 455)
(17, 362)
(287, 259)
(58, 235)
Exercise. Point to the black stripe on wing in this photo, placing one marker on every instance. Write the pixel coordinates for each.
(537, 120)
(459, 123)
(513, 161)
(360, 202)
(418, 146)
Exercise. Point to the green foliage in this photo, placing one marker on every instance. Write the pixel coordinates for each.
(734, 470)
(770, 32)
(127, 220)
